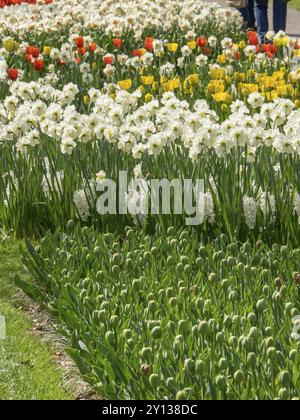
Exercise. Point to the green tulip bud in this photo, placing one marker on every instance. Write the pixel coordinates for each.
(293, 355)
(110, 337)
(284, 251)
(268, 331)
(183, 326)
(130, 234)
(220, 338)
(173, 243)
(225, 284)
(156, 332)
(202, 252)
(252, 318)
(169, 292)
(114, 320)
(71, 226)
(146, 352)
(284, 379)
(189, 365)
(261, 305)
(239, 377)
(233, 296)
(283, 394)
(227, 321)
(233, 341)
(272, 354)
(170, 260)
(154, 380)
(200, 303)
(184, 235)
(223, 364)
(171, 384)
(213, 277)
(115, 270)
(251, 360)
(171, 231)
(180, 267)
(127, 334)
(221, 382)
(183, 395)
(199, 262)
(254, 333)
(204, 329)
(173, 302)
(152, 306)
(200, 367)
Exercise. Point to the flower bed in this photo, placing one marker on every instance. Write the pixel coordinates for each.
(164, 317)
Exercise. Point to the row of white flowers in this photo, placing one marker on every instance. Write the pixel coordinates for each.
(114, 16)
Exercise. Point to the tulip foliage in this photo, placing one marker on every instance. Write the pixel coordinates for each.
(164, 317)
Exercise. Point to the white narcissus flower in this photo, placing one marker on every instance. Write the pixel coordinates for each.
(256, 100)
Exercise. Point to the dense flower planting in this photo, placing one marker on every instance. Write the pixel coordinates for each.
(164, 317)
(218, 109)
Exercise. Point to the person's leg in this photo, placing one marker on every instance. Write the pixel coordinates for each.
(251, 16)
(244, 12)
(261, 15)
(280, 15)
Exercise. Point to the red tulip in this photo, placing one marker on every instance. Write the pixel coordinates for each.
(108, 60)
(237, 55)
(253, 38)
(137, 53)
(149, 43)
(79, 42)
(93, 47)
(34, 51)
(206, 51)
(117, 42)
(201, 41)
(38, 65)
(81, 50)
(13, 74)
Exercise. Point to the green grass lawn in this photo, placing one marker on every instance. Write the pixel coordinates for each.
(27, 371)
(295, 4)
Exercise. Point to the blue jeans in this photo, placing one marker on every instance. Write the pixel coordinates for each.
(261, 15)
(248, 14)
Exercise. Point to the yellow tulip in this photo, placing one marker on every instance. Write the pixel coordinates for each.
(192, 45)
(125, 84)
(228, 80)
(217, 73)
(297, 104)
(172, 47)
(221, 59)
(222, 97)
(193, 79)
(147, 80)
(9, 44)
(47, 50)
(155, 87)
(251, 73)
(148, 97)
(86, 100)
(242, 45)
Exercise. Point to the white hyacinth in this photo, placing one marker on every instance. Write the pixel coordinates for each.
(250, 211)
